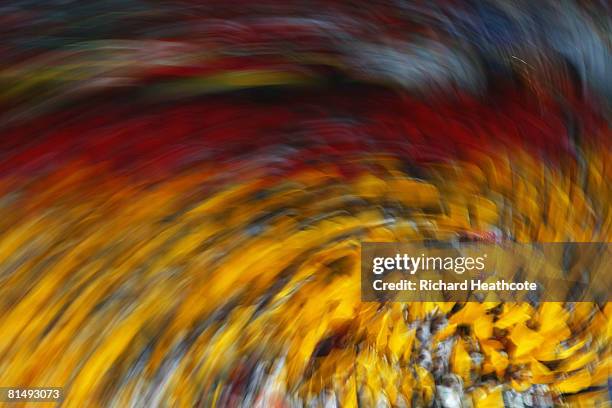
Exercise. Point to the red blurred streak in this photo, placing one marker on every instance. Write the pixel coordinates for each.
(222, 127)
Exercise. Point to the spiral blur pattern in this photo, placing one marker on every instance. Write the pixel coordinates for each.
(184, 187)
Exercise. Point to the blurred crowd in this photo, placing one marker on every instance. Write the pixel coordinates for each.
(184, 187)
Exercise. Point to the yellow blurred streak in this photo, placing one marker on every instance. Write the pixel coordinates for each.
(514, 314)
(574, 383)
(426, 383)
(483, 398)
(318, 300)
(526, 340)
(461, 362)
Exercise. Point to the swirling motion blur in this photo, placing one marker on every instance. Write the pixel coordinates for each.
(184, 188)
